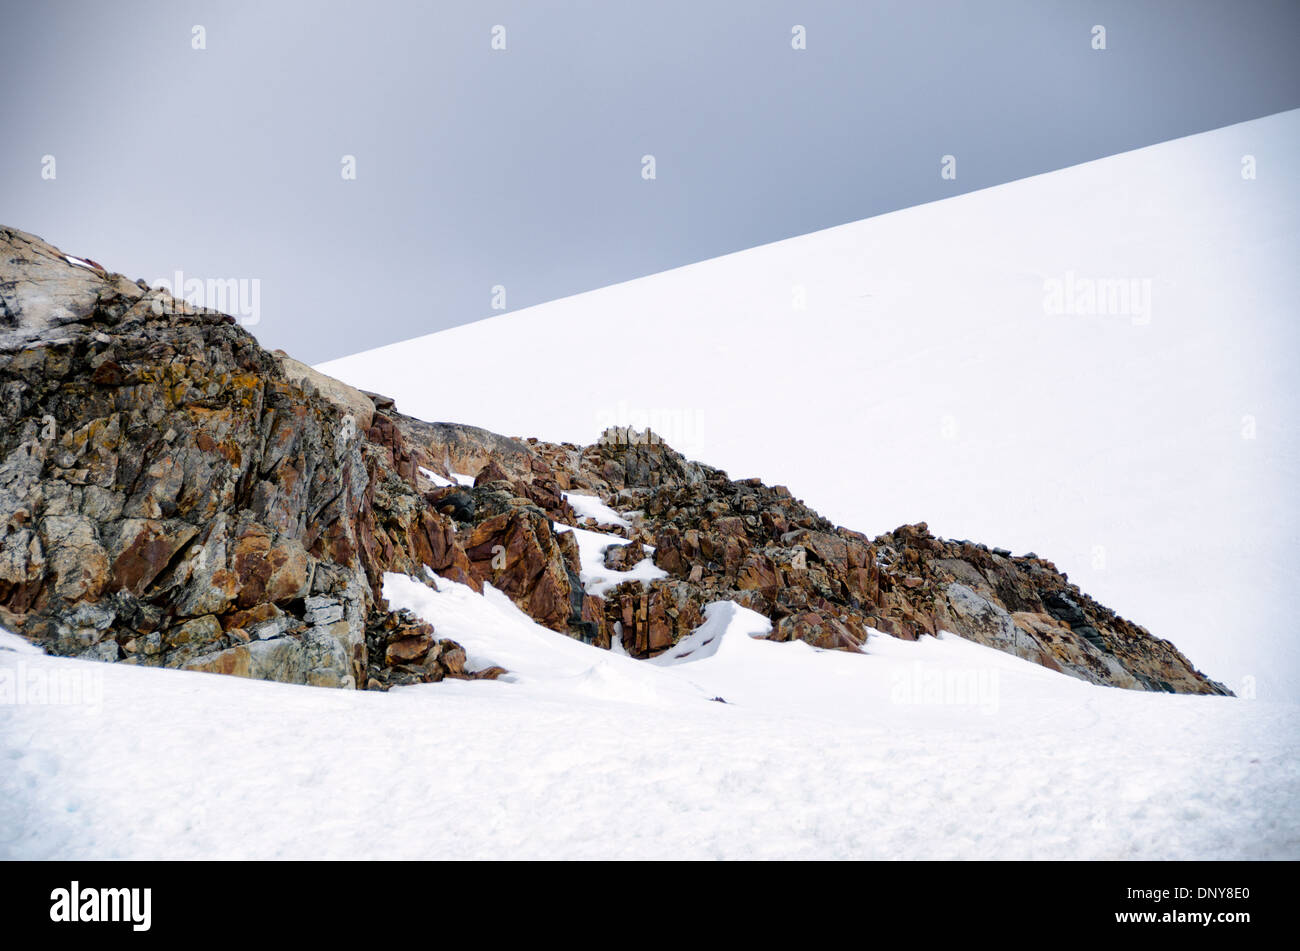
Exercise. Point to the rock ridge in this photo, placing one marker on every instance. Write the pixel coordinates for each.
(175, 495)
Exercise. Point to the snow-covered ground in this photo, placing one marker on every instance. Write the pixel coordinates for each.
(891, 370)
(457, 478)
(596, 578)
(588, 506)
(940, 748)
(942, 363)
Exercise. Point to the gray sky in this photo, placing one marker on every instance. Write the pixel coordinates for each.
(522, 167)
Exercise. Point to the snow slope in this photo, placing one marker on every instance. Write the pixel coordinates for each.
(939, 748)
(916, 366)
(922, 379)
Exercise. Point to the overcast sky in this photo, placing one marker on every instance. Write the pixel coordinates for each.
(523, 167)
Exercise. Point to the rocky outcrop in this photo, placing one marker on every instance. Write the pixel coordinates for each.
(722, 539)
(174, 495)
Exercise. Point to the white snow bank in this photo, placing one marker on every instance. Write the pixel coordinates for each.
(588, 506)
(596, 578)
(814, 754)
(494, 631)
(435, 478)
(724, 622)
(12, 642)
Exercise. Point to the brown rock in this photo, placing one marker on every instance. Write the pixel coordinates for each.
(146, 547)
(516, 552)
(408, 650)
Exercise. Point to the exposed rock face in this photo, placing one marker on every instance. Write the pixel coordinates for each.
(174, 495)
(755, 544)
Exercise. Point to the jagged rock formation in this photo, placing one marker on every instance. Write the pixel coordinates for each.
(174, 495)
(744, 541)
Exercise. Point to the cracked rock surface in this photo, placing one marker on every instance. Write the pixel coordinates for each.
(173, 494)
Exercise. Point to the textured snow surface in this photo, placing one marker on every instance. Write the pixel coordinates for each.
(909, 367)
(588, 506)
(939, 748)
(595, 577)
(435, 478)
